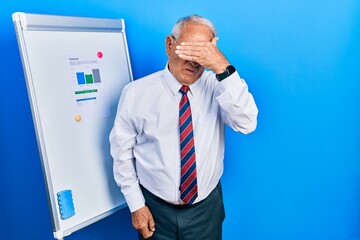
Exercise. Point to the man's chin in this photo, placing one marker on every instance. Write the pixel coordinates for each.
(189, 80)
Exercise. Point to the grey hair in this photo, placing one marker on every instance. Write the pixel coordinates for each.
(181, 23)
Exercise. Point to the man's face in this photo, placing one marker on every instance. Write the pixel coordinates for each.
(187, 72)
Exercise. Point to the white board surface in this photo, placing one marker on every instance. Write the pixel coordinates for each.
(75, 70)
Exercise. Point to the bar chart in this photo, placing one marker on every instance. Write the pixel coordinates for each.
(88, 78)
(85, 75)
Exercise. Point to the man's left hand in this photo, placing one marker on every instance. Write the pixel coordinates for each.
(204, 53)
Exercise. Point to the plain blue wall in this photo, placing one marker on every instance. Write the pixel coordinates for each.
(296, 178)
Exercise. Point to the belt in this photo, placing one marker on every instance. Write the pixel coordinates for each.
(156, 198)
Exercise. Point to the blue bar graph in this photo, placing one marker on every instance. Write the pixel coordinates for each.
(85, 99)
(80, 78)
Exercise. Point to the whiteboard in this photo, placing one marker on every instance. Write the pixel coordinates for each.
(75, 70)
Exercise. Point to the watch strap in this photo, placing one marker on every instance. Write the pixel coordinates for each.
(228, 71)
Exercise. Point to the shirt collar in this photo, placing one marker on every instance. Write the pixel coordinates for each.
(175, 86)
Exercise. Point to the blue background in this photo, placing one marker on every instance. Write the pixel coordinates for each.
(296, 178)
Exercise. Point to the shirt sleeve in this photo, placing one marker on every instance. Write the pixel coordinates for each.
(122, 141)
(237, 106)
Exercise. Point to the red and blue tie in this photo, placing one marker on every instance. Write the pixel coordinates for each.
(188, 183)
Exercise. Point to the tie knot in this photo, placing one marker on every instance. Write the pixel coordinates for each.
(184, 89)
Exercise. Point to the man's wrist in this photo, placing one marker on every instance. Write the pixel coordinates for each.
(221, 66)
(230, 69)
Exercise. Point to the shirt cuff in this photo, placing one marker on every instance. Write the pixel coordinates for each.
(232, 82)
(136, 200)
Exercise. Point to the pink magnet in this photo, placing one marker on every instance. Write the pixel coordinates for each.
(100, 54)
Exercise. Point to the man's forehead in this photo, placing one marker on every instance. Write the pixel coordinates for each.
(196, 32)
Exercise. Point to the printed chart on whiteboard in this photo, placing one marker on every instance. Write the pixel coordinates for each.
(85, 70)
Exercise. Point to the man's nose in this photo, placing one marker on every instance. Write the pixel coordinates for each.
(194, 64)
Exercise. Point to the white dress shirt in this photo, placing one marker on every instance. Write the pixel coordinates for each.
(145, 137)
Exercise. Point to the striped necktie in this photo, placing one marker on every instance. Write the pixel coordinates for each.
(188, 184)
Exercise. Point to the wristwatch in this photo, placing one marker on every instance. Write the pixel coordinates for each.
(228, 71)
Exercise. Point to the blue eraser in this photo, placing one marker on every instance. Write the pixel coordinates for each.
(66, 204)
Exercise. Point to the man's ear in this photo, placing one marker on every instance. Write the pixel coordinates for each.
(169, 44)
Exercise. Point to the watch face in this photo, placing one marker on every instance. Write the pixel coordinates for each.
(230, 69)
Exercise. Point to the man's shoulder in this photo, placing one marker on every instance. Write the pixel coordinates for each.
(154, 77)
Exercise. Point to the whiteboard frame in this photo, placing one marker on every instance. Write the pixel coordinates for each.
(41, 22)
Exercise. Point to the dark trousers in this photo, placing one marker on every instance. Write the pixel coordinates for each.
(201, 221)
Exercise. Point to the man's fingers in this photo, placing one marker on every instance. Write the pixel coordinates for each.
(191, 53)
(204, 53)
(193, 43)
(187, 49)
(146, 233)
(143, 222)
(189, 58)
(148, 230)
(188, 53)
(151, 224)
